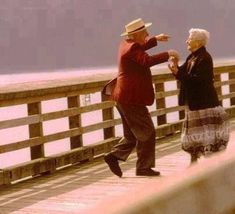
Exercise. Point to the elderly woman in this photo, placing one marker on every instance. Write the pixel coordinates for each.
(206, 126)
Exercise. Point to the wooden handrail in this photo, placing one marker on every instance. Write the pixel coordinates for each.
(31, 96)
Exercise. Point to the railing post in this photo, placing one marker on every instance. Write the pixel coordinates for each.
(160, 103)
(108, 114)
(35, 130)
(232, 88)
(181, 113)
(217, 78)
(74, 122)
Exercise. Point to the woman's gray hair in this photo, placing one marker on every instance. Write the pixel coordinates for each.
(200, 35)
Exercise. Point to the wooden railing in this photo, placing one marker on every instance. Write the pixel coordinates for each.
(32, 95)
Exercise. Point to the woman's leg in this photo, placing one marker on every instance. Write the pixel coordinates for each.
(194, 158)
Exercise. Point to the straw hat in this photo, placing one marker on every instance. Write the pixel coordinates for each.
(135, 26)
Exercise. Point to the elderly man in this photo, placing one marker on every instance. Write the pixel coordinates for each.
(133, 91)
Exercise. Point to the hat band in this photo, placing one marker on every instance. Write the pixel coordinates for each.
(142, 27)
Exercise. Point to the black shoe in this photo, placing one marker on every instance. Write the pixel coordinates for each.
(147, 172)
(112, 162)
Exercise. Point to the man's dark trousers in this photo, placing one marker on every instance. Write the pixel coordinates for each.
(139, 132)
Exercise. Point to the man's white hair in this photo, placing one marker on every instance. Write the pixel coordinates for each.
(200, 35)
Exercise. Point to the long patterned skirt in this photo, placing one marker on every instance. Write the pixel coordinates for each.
(205, 131)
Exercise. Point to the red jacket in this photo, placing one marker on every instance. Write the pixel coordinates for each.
(134, 80)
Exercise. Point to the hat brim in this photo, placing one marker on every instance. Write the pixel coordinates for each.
(145, 26)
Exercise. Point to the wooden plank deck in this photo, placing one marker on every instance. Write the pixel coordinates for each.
(81, 187)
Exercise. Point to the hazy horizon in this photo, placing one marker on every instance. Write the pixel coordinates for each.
(75, 34)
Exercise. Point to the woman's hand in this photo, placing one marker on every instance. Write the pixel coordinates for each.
(162, 37)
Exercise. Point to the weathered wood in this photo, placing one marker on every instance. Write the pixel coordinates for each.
(164, 94)
(226, 96)
(80, 188)
(75, 122)
(222, 68)
(35, 130)
(164, 111)
(218, 89)
(43, 165)
(160, 103)
(74, 156)
(32, 94)
(226, 82)
(70, 188)
(51, 89)
(58, 136)
(18, 98)
(62, 88)
(6, 177)
(76, 111)
(54, 115)
(230, 111)
(77, 131)
(19, 122)
(232, 87)
(104, 146)
(195, 190)
(108, 114)
(84, 153)
(1, 178)
(10, 101)
(168, 129)
(31, 168)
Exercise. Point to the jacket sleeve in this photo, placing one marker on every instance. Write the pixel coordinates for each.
(150, 43)
(202, 73)
(182, 72)
(138, 55)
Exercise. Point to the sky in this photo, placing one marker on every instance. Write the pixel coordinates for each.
(40, 35)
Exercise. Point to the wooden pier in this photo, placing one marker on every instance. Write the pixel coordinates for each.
(83, 186)
(77, 180)
(80, 188)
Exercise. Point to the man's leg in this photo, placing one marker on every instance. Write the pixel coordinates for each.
(141, 125)
(122, 150)
(125, 146)
(146, 153)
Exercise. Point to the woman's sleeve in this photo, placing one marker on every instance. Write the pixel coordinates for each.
(182, 73)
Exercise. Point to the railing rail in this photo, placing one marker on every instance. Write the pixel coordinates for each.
(32, 95)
